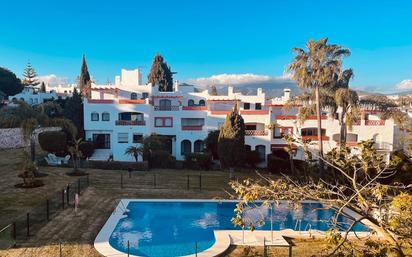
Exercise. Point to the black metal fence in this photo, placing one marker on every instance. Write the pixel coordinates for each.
(29, 223)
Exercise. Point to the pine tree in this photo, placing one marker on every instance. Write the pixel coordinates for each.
(43, 87)
(231, 142)
(30, 76)
(213, 90)
(160, 74)
(84, 79)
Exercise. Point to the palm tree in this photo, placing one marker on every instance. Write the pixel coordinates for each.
(134, 151)
(316, 68)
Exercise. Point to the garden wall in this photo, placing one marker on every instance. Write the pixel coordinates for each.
(11, 138)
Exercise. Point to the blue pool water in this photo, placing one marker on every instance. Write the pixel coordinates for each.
(166, 229)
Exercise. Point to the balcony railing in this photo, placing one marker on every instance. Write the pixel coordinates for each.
(254, 112)
(220, 112)
(199, 127)
(166, 108)
(256, 132)
(286, 117)
(374, 122)
(314, 138)
(130, 122)
(194, 108)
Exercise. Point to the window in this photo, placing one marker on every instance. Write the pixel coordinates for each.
(123, 138)
(145, 95)
(191, 102)
(280, 132)
(312, 132)
(202, 103)
(261, 149)
(193, 122)
(165, 104)
(133, 96)
(198, 146)
(246, 106)
(258, 106)
(250, 127)
(248, 148)
(185, 147)
(95, 116)
(137, 138)
(135, 116)
(105, 116)
(163, 122)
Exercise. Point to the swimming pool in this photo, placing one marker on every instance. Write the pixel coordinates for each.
(179, 228)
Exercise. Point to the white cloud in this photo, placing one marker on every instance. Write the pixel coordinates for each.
(235, 79)
(404, 84)
(53, 80)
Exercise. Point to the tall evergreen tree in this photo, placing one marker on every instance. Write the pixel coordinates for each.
(73, 110)
(9, 83)
(84, 80)
(160, 74)
(43, 87)
(213, 90)
(30, 76)
(231, 142)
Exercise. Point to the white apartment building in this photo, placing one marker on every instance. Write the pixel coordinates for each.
(120, 115)
(32, 96)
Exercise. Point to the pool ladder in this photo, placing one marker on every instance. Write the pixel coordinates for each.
(298, 226)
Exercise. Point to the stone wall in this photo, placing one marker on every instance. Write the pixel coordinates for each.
(11, 138)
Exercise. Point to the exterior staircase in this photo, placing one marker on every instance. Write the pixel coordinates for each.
(101, 155)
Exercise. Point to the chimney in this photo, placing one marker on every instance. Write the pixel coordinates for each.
(230, 90)
(286, 94)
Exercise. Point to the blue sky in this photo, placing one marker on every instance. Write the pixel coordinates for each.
(206, 38)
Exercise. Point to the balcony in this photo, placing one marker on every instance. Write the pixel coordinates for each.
(220, 112)
(254, 112)
(134, 101)
(374, 122)
(286, 117)
(314, 138)
(194, 108)
(256, 133)
(166, 108)
(130, 122)
(196, 128)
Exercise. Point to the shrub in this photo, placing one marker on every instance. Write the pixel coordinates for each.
(276, 164)
(162, 159)
(211, 143)
(196, 161)
(252, 158)
(403, 166)
(87, 148)
(53, 141)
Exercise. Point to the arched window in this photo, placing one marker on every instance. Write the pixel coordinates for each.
(261, 149)
(202, 103)
(185, 147)
(248, 148)
(133, 96)
(105, 116)
(191, 102)
(198, 147)
(95, 116)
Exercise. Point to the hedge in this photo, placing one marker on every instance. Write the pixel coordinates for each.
(53, 141)
(198, 161)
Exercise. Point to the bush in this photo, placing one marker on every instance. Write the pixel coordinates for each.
(87, 148)
(162, 159)
(403, 166)
(53, 141)
(198, 161)
(252, 158)
(277, 164)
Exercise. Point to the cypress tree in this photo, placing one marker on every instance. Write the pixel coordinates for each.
(73, 110)
(231, 142)
(160, 74)
(30, 76)
(213, 90)
(84, 79)
(43, 87)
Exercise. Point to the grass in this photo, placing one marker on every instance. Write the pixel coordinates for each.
(76, 233)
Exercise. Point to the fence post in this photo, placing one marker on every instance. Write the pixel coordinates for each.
(196, 249)
(121, 180)
(60, 248)
(87, 179)
(187, 182)
(78, 186)
(67, 195)
(63, 199)
(14, 234)
(154, 180)
(28, 224)
(128, 248)
(47, 210)
(265, 253)
(200, 182)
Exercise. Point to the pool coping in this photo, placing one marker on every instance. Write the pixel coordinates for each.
(224, 238)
